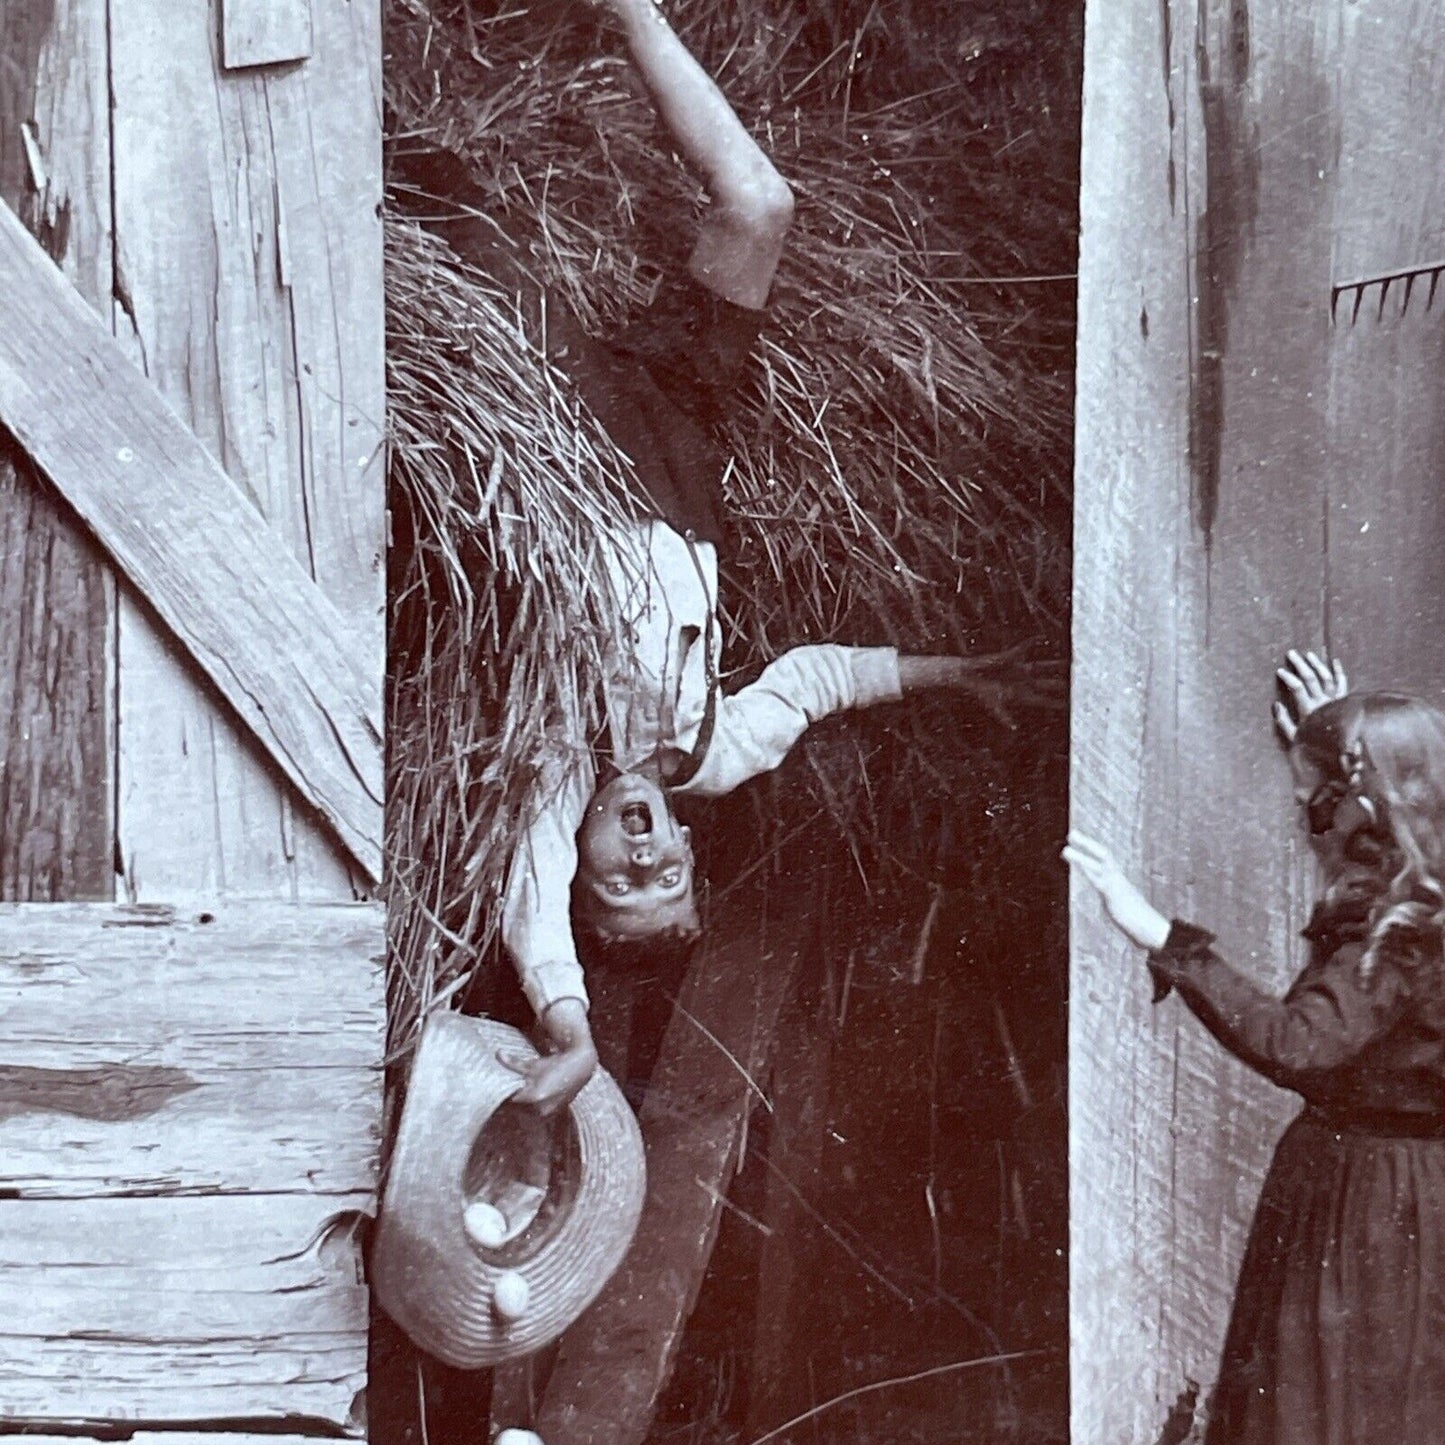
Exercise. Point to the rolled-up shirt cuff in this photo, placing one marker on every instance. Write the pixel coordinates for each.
(1185, 942)
(875, 675)
(547, 983)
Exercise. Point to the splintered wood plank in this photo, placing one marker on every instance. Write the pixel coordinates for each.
(244, 1309)
(1248, 478)
(614, 1363)
(264, 32)
(149, 1053)
(55, 817)
(55, 666)
(249, 247)
(796, 1132)
(176, 1131)
(193, 547)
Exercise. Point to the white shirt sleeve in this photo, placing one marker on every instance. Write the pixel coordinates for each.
(757, 726)
(536, 908)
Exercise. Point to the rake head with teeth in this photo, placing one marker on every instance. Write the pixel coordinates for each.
(1407, 277)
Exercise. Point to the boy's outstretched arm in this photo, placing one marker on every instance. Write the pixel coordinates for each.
(757, 727)
(741, 240)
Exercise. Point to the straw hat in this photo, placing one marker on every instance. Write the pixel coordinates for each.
(553, 1204)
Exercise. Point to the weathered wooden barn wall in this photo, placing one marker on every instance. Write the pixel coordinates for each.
(190, 1080)
(226, 221)
(185, 1162)
(248, 263)
(1248, 476)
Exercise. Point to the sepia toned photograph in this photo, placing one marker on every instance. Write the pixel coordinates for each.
(536, 588)
(722, 722)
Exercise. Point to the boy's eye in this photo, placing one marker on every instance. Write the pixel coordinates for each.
(617, 886)
(670, 878)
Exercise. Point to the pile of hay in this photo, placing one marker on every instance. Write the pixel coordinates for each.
(501, 487)
(901, 466)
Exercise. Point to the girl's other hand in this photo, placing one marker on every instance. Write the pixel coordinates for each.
(1130, 911)
(1311, 683)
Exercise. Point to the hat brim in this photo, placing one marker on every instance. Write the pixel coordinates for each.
(428, 1275)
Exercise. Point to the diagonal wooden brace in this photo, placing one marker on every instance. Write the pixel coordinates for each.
(193, 547)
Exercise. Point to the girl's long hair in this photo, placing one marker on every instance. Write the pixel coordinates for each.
(1388, 750)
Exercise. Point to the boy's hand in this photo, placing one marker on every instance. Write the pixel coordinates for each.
(1130, 911)
(555, 1079)
(1005, 681)
(999, 682)
(1311, 683)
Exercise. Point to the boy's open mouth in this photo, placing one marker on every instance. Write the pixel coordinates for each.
(636, 820)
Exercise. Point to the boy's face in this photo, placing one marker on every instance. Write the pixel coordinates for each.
(634, 864)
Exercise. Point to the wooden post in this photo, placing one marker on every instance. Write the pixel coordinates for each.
(1248, 476)
(614, 1363)
(798, 1129)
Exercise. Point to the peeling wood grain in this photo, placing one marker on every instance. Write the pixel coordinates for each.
(237, 1130)
(614, 1362)
(1334, 129)
(264, 32)
(236, 1055)
(55, 816)
(273, 645)
(256, 308)
(111, 1093)
(161, 1310)
(55, 716)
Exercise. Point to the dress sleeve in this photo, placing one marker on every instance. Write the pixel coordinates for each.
(536, 908)
(757, 726)
(1326, 1019)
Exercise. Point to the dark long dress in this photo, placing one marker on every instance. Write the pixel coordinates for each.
(1337, 1336)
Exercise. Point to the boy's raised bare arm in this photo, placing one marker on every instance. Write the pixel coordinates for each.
(741, 238)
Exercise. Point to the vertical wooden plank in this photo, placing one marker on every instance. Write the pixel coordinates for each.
(796, 1131)
(615, 1360)
(249, 267)
(55, 662)
(1228, 445)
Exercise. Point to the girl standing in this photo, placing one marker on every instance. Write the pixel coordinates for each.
(1337, 1335)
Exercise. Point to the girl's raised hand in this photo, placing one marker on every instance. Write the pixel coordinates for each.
(1130, 911)
(1311, 683)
